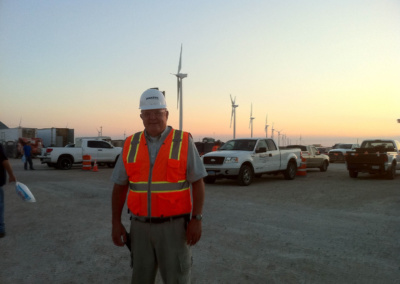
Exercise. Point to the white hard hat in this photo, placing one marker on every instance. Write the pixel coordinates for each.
(152, 99)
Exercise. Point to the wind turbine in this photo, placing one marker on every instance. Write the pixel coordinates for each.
(233, 115)
(100, 133)
(266, 126)
(179, 77)
(279, 136)
(251, 120)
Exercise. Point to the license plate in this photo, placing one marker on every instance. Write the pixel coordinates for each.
(375, 167)
(211, 173)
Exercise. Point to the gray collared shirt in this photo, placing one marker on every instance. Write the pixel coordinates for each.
(195, 167)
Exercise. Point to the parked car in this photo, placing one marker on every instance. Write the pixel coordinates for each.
(314, 159)
(337, 154)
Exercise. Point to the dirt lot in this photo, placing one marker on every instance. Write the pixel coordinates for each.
(322, 228)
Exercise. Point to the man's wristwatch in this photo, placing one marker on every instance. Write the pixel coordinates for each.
(198, 217)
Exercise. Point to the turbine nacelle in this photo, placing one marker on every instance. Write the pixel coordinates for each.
(181, 75)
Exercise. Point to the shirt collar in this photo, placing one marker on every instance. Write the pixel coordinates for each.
(162, 136)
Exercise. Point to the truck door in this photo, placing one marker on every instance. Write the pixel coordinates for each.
(106, 151)
(260, 156)
(273, 156)
(100, 151)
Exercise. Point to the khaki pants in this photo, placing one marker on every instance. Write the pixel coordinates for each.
(160, 246)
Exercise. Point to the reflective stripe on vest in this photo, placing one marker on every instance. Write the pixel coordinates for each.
(169, 190)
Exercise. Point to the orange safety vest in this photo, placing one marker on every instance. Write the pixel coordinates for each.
(168, 192)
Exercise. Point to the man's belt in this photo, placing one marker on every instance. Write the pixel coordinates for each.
(157, 220)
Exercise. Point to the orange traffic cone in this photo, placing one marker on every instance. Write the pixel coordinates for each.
(95, 168)
(302, 170)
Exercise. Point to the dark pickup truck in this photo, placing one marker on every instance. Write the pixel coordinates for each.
(375, 157)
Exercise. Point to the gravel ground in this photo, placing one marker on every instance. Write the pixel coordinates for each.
(322, 228)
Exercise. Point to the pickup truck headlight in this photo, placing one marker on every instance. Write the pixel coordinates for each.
(229, 160)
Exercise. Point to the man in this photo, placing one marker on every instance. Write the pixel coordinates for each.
(28, 156)
(164, 174)
(4, 166)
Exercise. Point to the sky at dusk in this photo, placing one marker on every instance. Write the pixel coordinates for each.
(325, 71)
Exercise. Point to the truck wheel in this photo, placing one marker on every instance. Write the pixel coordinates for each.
(290, 172)
(324, 166)
(246, 175)
(353, 174)
(392, 172)
(64, 163)
(209, 180)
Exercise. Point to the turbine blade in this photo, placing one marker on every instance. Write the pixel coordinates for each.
(180, 61)
(232, 100)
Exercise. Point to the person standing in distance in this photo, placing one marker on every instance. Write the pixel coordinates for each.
(4, 167)
(163, 172)
(28, 155)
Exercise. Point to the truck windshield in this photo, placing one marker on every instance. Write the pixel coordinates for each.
(342, 146)
(239, 145)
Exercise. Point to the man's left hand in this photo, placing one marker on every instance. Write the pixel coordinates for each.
(193, 232)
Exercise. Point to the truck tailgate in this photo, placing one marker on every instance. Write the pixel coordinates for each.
(366, 158)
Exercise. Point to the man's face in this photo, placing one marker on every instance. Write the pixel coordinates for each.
(154, 121)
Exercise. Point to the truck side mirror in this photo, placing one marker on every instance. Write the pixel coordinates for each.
(261, 150)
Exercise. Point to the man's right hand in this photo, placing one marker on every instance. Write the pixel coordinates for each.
(118, 234)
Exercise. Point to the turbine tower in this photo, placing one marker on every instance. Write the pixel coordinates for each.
(233, 115)
(179, 77)
(251, 120)
(266, 126)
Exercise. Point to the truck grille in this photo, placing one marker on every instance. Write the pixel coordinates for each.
(213, 160)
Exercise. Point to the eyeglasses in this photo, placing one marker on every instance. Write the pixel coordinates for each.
(148, 114)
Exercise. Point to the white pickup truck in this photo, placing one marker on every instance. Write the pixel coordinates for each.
(64, 157)
(242, 159)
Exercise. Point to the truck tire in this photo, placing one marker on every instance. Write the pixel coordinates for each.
(324, 166)
(290, 172)
(209, 180)
(246, 175)
(353, 174)
(64, 163)
(391, 173)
